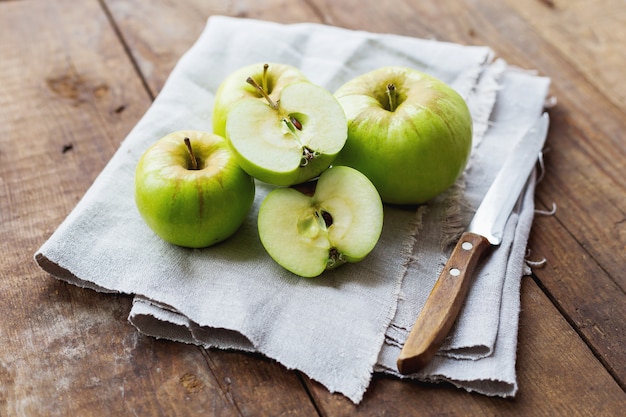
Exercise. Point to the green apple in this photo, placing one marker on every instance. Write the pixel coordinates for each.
(272, 77)
(190, 190)
(309, 232)
(408, 132)
(291, 140)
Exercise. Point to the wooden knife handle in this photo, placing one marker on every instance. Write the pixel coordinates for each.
(443, 304)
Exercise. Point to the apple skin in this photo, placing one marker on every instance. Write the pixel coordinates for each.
(414, 152)
(234, 88)
(193, 208)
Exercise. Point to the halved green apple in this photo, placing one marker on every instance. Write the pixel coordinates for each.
(290, 140)
(271, 77)
(340, 221)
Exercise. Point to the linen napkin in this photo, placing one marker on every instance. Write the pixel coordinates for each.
(340, 327)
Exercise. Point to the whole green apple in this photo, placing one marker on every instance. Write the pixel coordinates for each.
(408, 132)
(322, 224)
(190, 190)
(272, 77)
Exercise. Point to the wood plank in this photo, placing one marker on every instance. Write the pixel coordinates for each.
(588, 33)
(157, 51)
(550, 382)
(69, 95)
(260, 386)
(595, 304)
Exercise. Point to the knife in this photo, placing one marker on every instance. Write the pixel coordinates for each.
(485, 230)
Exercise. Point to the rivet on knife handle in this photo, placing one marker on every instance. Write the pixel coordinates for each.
(443, 304)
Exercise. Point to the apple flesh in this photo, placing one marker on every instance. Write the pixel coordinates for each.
(192, 195)
(408, 132)
(272, 77)
(291, 140)
(340, 221)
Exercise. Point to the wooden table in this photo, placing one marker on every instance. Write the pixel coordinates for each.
(76, 76)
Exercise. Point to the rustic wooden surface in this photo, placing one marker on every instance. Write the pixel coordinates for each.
(76, 76)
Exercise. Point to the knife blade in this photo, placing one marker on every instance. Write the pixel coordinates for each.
(484, 231)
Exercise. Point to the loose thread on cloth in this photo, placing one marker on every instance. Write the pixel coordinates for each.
(548, 213)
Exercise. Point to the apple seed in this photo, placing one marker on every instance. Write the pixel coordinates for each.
(296, 123)
(328, 219)
(194, 161)
(292, 124)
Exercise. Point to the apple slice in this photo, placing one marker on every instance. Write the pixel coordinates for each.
(272, 77)
(341, 221)
(291, 140)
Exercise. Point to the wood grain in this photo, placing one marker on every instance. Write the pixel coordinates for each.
(76, 77)
(179, 25)
(586, 32)
(593, 303)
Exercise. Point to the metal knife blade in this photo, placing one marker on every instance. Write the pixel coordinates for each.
(485, 230)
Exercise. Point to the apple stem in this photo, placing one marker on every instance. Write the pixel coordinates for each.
(391, 95)
(254, 84)
(194, 161)
(264, 78)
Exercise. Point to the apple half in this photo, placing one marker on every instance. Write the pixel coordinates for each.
(190, 190)
(291, 140)
(272, 77)
(308, 233)
(408, 132)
